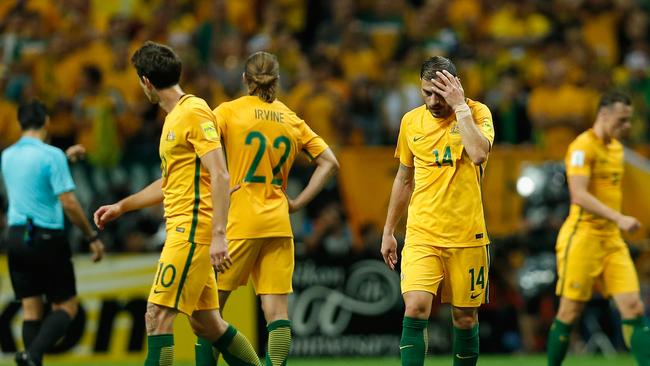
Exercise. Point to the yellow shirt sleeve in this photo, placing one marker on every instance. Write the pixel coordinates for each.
(312, 144)
(221, 117)
(578, 159)
(483, 120)
(402, 152)
(202, 132)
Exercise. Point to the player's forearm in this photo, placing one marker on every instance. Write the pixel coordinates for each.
(76, 215)
(475, 143)
(590, 203)
(148, 196)
(399, 199)
(319, 178)
(219, 182)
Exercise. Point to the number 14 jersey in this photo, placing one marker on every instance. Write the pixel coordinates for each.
(261, 142)
(446, 208)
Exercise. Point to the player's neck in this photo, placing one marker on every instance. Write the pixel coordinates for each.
(599, 131)
(169, 97)
(39, 134)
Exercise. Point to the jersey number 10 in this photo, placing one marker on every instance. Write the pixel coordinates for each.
(279, 142)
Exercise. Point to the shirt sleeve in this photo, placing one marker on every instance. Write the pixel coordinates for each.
(221, 117)
(312, 144)
(60, 177)
(483, 120)
(578, 159)
(402, 151)
(203, 134)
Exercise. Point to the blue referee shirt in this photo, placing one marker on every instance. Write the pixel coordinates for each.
(35, 174)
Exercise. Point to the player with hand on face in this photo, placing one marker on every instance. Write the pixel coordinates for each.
(443, 148)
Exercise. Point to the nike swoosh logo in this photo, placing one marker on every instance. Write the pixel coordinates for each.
(417, 138)
(464, 357)
(407, 346)
(158, 292)
(475, 296)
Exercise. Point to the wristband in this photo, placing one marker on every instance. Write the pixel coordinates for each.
(462, 111)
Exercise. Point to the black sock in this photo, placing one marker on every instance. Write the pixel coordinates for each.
(54, 327)
(30, 331)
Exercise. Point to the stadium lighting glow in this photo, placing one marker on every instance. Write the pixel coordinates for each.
(525, 186)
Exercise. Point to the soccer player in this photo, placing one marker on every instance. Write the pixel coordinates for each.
(589, 246)
(262, 138)
(442, 147)
(40, 190)
(195, 195)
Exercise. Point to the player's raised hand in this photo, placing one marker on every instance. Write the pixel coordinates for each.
(389, 250)
(448, 86)
(97, 247)
(219, 256)
(628, 224)
(75, 153)
(106, 214)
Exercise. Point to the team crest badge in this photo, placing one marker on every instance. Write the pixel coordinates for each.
(454, 130)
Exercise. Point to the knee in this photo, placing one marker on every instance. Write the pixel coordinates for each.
(465, 320)
(157, 320)
(419, 310)
(632, 308)
(70, 307)
(568, 314)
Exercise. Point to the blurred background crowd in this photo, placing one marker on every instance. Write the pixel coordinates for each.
(351, 70)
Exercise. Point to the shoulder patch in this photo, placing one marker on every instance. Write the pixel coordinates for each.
(209, 131)
(578, 158)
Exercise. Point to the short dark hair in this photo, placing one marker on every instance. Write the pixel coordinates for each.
(32, 115)
(612, 97)
(158, 63)
(436, 63)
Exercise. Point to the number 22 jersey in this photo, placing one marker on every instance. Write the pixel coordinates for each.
(261, 142)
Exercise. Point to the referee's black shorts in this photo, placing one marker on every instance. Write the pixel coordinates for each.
(40, 263)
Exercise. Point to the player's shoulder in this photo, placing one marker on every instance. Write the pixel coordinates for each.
(54, 153)
(584, 140)
(477, 107)
(415, 114)
(195, 109)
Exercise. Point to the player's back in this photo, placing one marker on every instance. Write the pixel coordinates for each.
(261, 142)
(188, 133)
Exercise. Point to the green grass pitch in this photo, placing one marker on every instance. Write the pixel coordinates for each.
(538, 360)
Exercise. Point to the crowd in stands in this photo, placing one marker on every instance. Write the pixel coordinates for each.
(349, 68)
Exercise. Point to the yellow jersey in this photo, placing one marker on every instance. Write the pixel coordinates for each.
(446, 208)
(603, 164)
(189, 133)
(261, 141)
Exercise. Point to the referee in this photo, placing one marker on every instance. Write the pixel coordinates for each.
(40, 189)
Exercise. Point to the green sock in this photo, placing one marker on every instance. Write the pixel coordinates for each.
(465, 346)
(558, 342)
(205, 354)
(412, 347)
(279, 343)
(236, 349)
(160, 350)
(640, 339)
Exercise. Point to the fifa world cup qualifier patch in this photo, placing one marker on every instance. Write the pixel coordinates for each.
(209, 131)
